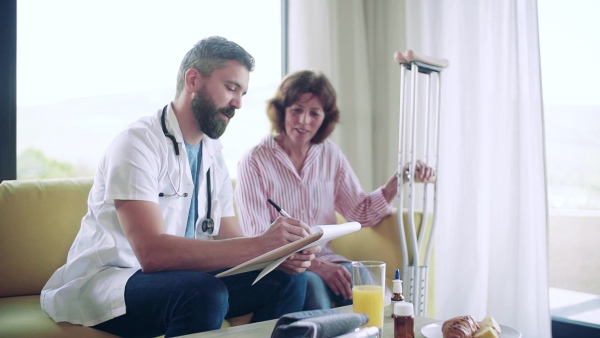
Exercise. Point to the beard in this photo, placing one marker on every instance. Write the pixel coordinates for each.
(207, 114)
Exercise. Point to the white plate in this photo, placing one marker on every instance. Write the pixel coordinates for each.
(435, 331)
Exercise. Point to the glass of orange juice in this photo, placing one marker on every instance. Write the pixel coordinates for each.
(368, 285)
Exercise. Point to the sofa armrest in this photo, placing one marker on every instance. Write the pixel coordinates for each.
(40, 219)
(379, 243)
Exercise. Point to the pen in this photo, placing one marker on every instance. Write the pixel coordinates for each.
(279, 209)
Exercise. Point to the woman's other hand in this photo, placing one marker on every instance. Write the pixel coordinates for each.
(285, 230)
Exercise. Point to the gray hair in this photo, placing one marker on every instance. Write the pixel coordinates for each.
(209, 54)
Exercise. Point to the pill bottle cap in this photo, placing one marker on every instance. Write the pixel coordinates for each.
(404, 309)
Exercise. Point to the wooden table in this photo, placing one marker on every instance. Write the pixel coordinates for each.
(264, 329)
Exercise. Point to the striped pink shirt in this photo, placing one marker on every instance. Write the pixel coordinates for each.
(326, 184)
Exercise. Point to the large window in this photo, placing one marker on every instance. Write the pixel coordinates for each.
(569, 51)
(86, 69)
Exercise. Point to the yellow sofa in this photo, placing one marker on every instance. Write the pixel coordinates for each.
(38, 222)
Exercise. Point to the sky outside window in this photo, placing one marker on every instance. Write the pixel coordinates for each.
(86, 69)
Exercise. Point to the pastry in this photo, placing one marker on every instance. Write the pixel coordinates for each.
(460, 327)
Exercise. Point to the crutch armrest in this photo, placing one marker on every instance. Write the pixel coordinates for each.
(411, 56)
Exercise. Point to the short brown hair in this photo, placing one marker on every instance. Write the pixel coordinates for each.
(295, 85)
(209, 54)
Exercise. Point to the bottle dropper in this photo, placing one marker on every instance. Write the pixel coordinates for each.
(396, 289)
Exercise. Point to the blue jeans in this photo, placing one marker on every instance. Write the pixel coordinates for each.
(175, 303)
(319, 295)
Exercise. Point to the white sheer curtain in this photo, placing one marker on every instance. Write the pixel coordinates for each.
(491, 247)
(349, 41)
(491, 241)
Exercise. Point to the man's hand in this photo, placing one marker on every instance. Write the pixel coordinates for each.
(283, 231)
(286, 230)
(336, 276)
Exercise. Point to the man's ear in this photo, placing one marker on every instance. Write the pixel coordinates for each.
(193, 80)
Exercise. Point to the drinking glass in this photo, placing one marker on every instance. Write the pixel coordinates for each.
(368, 285)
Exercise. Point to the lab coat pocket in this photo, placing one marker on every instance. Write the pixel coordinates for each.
(175, 213)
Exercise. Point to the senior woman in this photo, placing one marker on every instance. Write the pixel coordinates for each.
(310, 178)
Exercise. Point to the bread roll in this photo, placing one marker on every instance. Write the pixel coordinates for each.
(460, 327)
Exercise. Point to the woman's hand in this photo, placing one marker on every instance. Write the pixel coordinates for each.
(300, 261)
(336, 276)
(424, 174)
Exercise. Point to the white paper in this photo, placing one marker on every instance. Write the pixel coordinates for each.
(272, 259)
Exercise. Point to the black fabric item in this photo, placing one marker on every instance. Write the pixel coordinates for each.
(327, 326)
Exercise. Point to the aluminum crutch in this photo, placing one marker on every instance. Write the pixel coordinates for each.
(415, 269)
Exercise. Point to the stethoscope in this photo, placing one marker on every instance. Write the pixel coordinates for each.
(208, 225)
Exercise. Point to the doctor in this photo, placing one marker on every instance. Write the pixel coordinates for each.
(142, 264)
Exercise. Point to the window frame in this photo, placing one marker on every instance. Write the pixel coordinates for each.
(8, 92)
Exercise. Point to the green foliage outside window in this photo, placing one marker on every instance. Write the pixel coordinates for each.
(34, 164)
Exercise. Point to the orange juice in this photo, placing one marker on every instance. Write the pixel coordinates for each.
(368, 299)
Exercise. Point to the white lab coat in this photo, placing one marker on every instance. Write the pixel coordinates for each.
(89, 288)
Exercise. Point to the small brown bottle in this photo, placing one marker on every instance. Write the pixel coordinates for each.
(404, 320)
(396, 290)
